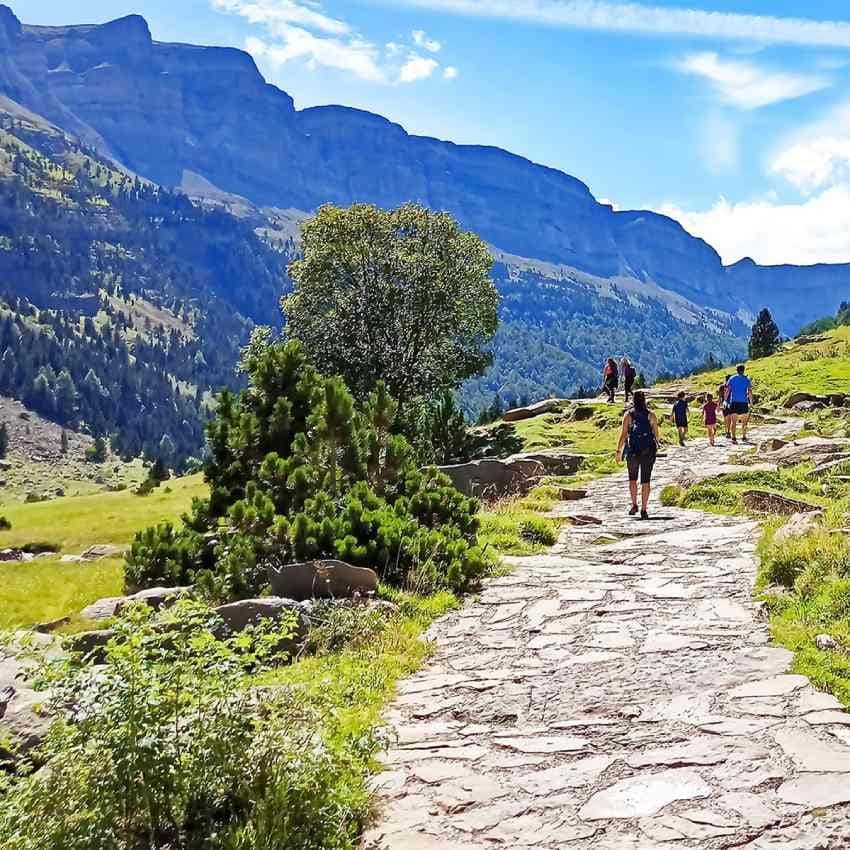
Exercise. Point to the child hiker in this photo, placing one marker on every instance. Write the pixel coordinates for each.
(709, 417)
(680, 418)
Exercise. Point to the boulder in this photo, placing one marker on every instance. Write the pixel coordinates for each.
(21, 724)
(237, 616)
(825, 641)
(492, 478)
(802, 398)
(90, 643)
(833, 463)
(322, 580)
(771, 445)
(554, 463)
(838, 399)
(808, 448)
(798, 526)
(549, 405)
(809, 406)
(155, 597)
(762, 501)
(101, 550)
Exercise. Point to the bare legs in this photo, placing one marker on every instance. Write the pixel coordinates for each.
(644, 494)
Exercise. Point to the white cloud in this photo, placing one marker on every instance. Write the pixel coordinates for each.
(275, 13)
(301, 30)
(650, 20)
(772, 233)
(450, 72)
(818, 155)
(353, 55)
(420, 39)
(745, 85)
(417, 68)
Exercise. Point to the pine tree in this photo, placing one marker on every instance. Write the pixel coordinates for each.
(63, 442)
(4, 439)
(765, 337)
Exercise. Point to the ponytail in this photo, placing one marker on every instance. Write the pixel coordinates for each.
(640, 401)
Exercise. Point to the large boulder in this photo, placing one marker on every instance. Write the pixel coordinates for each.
(492, 478)
(798, 526)
(832, 464)
(238, 616)
(322, 580)
(764, 502)
(549, 405)
(101, 550)
(516, 475)
(802, 398)
(22, 725)
(809, 448)
(155, 597)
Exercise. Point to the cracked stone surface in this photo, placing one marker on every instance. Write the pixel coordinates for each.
(618, 693)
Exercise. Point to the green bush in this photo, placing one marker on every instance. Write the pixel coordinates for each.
(672, 496)
(538, 530)
(5, 524)
(166, 745)
(298, 471)
(804, 562)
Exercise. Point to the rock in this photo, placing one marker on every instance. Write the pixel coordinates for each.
(11, 555)
(835, 461)
(90, 643)
(809, 406)
(582, 413)
(322, 580)
(808, 448)
(21, 724)
(825, 642)
(567, 495)
(771, 445)
(798, 398)
(798, 526)
(52, 626)
(555, 463)
(761, 501)
(237, 616)
(493, 479)
(155, 597)
(101, 550)
(584, 519)
(838, 399)
(549, 405)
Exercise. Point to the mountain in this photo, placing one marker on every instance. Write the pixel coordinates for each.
(172, 112)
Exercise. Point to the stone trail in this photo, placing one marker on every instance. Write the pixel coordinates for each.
(619, 693)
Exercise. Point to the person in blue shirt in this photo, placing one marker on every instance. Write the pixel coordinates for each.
(740, 397)
(680, 417)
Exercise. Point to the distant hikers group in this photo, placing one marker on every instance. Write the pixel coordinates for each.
(611, 375)
(639, 436)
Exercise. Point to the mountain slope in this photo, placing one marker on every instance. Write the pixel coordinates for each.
(174, 113)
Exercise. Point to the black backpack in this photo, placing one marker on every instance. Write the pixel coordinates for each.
(641, 436)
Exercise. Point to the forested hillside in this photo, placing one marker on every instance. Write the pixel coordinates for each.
(123, 304)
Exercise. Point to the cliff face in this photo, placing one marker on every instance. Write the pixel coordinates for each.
(165, 109)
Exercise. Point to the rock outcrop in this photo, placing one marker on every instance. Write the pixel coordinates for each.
(765, 502)
(322, 580)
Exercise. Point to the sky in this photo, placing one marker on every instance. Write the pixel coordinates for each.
(733, 116)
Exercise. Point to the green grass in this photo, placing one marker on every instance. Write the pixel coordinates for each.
(46, 589)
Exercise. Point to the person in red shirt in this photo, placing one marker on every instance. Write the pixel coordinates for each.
(709, 417)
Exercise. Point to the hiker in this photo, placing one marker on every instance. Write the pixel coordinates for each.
(638, 444)
(709, 417)
(679, 416)
(740, 398)
(629, 375)
(611, 379)
(723, 401)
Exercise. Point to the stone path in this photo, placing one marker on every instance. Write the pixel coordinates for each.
(620, 693)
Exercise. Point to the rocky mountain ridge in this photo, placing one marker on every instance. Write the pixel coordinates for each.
(171, 111)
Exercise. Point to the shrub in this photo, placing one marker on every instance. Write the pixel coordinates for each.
(672, 496)
(816, 555)
(298, 471)
(97, 451)
(5, 524)
(538, 530)
(167, 745)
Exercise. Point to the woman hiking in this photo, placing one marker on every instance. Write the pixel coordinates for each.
(611, 379)
(638, 444)
(629, 374)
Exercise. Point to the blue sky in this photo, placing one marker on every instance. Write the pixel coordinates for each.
(732, 115)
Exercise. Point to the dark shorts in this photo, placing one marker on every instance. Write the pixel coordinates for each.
(681, 423)
(642, 464)
(739, 408)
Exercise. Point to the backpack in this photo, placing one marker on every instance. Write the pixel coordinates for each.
(630, 372)
(641, 437)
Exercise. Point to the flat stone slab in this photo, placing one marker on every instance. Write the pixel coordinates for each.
(645, 794)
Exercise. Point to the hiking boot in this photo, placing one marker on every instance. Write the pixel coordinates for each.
(735, 440)
(644, 515)
(633, 511)
(681, 441)
(728, 436)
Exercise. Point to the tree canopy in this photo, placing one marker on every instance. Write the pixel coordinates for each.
(765, 338)
(401, 296)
